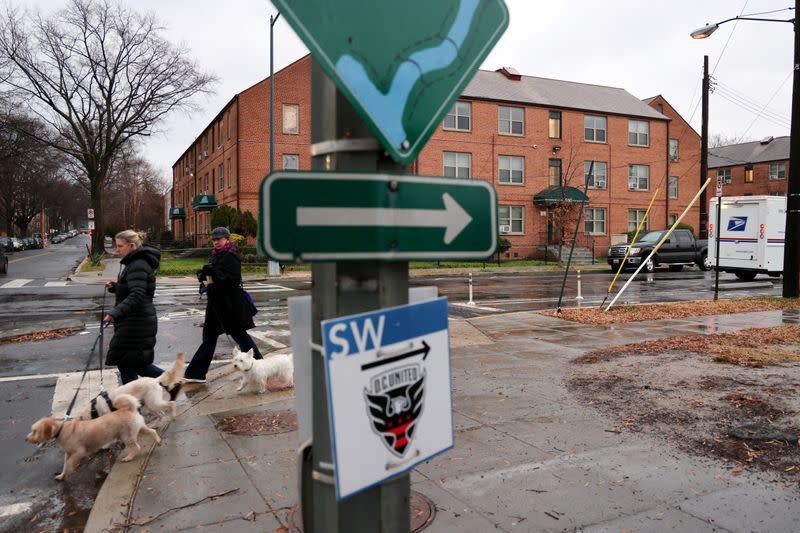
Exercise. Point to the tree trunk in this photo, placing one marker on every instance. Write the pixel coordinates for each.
(97, 204)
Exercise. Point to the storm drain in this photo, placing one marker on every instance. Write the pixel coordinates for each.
(261, 423)
(422, 511)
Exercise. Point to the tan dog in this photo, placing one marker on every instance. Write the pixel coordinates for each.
(81, 438)
(151, 392)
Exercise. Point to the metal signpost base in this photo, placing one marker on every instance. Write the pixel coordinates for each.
(341, 289)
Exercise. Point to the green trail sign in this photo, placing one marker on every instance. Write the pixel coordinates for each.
(330, 216)
(400, 64)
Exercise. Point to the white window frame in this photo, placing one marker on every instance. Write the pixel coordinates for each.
(221, 176)
(287, 115)
(599, 180)
(638, 133)
(775, 170)
(458, 159)
(590, 217)
(455, 114)
(514, 167)
(511, 120)
(672, 183)
(638, 215)
(672, 219)
(674, 150)
(594, 127)
(635, 178)
(289, 157)
(550, 167)
(505, 217)
(551, 121)
(725, 174)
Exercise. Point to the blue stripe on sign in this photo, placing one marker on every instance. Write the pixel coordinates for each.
(357, 333)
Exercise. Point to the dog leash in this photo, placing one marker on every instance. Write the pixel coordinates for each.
(85, 370)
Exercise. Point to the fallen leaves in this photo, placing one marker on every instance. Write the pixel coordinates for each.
(41, 336)
(260, 423)
(637, 313)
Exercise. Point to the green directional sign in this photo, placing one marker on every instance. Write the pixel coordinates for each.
(401, 64)
(330, 216)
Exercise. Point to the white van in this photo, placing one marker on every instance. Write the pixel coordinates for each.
(752, 238)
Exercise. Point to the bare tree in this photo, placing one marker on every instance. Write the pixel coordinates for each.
(101, 76)
(136, 193)
(720, 139)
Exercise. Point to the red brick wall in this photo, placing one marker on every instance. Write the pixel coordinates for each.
(486, 145)
(761, 183)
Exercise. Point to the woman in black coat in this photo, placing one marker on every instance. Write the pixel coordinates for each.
(134, 315)
(227, 310)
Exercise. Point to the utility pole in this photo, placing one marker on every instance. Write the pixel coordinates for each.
(273, 268)
(703, 231)
(341, 141)
(791, 251)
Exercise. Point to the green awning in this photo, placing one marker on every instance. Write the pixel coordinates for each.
(204, 202)
(177, 213)
(554, 195)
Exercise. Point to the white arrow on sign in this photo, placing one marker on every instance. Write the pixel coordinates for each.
(453, 217)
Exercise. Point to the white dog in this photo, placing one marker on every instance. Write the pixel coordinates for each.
(256, 372)
(151, 392)
(81, 438)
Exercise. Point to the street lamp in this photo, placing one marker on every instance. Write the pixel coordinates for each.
(791, 257)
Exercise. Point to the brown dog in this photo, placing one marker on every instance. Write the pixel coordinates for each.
(81, 438)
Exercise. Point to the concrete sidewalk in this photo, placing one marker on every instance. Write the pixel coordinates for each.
(528, 456)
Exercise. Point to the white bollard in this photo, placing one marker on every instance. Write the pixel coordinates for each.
(470, 302)
(579, 296)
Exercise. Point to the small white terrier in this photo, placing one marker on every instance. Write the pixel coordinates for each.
(256, 372)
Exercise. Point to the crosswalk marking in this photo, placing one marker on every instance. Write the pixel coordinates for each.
(15, 283)
(265, 339)
(56, 284)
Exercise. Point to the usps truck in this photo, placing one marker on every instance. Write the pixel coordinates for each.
(752, 238)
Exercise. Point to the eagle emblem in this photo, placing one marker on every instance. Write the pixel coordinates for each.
(394, 405)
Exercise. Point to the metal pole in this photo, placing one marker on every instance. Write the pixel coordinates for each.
(579, 296)
(718, 231)
(471, 301)
(273, 268)
(703, 231)
(340, 289)
(791, 251)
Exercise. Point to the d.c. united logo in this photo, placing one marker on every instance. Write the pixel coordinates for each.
(394, 405)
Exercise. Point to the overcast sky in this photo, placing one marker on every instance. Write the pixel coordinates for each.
(641, 46)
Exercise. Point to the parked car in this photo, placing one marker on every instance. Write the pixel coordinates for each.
(17, 243)
(679, 250)
(57, 239)
(6, 245)
(3, 262)
(37, 242)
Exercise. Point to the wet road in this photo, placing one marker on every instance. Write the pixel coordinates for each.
(29, 372)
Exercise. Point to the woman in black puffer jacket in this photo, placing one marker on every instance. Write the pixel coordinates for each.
(134, 315)
(227, 310)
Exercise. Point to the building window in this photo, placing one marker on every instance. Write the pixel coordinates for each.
(673, 149)
(228, 123)
(638, 177)
(555, 125)
(672, 219)
(457, 165)
(660, 108)
(511, 120)
(212, 138)
(555, 172)
(748, 174)
(777, 171)
(459, 118)
(725, 174)
(673, 186)
(595, 221)
(221, 177)
(291, 119)
(511, 169)
(229, 172)
(638, 133)
(513, 216)
(599, 177)
(291, 162)
(594, 129)
(205, 185)
(635, 217)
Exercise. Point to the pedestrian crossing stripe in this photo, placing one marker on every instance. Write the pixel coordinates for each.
(15, 283)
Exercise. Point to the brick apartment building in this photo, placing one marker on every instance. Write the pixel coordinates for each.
(532, 138)
(752, 168)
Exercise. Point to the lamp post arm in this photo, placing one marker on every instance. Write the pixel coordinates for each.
(791, 21)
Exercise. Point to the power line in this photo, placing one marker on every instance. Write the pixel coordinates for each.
(768, 102)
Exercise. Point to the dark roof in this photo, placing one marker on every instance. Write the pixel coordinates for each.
(749, 152)
(490, 85)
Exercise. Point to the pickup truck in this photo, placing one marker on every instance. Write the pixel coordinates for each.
(679, 250)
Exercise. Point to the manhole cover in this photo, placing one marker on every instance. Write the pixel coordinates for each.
(261, 423)
(421, 509)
